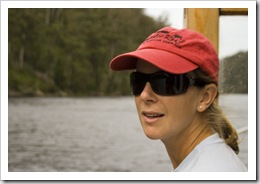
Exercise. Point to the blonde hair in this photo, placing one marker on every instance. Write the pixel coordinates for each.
(216, 119)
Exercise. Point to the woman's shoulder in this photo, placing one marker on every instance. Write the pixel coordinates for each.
(213, 154)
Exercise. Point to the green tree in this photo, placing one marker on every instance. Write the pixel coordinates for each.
(67, 51)
(234, 75)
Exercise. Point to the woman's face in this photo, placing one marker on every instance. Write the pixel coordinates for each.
(165, 117)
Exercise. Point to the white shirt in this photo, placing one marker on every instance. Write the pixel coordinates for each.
(212, 155)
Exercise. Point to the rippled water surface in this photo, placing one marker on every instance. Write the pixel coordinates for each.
(92, 134)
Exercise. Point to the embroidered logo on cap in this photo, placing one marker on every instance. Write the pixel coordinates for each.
(165, 37)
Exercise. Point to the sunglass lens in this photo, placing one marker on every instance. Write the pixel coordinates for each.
(137, 82)
(162, 83)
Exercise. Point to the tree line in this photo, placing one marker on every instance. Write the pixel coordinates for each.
(66, 52)
(234, 73)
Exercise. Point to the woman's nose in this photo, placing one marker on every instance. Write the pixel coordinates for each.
(148, 95)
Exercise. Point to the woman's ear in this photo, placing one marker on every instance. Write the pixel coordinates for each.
(209, 94)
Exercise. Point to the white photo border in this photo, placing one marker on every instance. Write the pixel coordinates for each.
(250, 175)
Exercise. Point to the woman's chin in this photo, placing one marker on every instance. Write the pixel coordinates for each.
(152, 135)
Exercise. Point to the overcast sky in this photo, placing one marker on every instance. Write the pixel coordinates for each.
(233, 33)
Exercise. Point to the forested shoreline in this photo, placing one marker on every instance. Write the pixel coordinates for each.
(66, 52)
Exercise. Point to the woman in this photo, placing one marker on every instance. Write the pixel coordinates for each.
(176, 88)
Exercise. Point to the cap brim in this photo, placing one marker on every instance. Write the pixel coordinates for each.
(164, 60)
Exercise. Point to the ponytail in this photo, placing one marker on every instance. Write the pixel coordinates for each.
(215, 118)
(220, 124)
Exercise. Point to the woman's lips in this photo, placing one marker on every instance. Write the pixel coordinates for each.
(151, 117)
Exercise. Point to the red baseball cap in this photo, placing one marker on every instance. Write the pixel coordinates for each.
(173, 50)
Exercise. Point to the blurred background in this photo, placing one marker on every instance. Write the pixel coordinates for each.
(69, 112)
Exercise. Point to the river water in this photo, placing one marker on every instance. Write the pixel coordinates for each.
(92, 134)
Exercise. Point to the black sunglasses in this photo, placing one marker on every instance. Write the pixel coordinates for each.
(163, 83)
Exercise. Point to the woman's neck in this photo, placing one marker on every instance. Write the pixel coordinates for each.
(179, 147)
